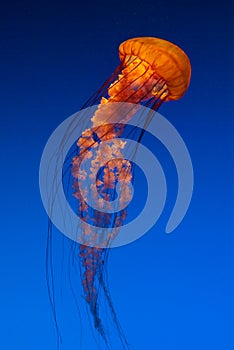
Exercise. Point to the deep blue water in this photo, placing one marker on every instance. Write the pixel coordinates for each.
(170, 291)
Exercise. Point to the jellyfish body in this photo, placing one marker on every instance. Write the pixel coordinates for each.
(151, 71)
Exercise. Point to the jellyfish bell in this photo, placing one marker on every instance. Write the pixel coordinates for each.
(151, 71)
(161, 63)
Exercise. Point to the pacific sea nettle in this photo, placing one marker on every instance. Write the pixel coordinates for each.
(151, 71)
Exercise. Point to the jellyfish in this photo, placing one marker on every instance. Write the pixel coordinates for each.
(151, 71)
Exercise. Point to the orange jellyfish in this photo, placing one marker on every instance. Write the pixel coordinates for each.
(151, 71)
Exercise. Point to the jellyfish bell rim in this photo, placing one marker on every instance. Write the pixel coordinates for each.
(168, 60)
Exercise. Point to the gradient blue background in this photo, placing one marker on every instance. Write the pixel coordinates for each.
(170, 291)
